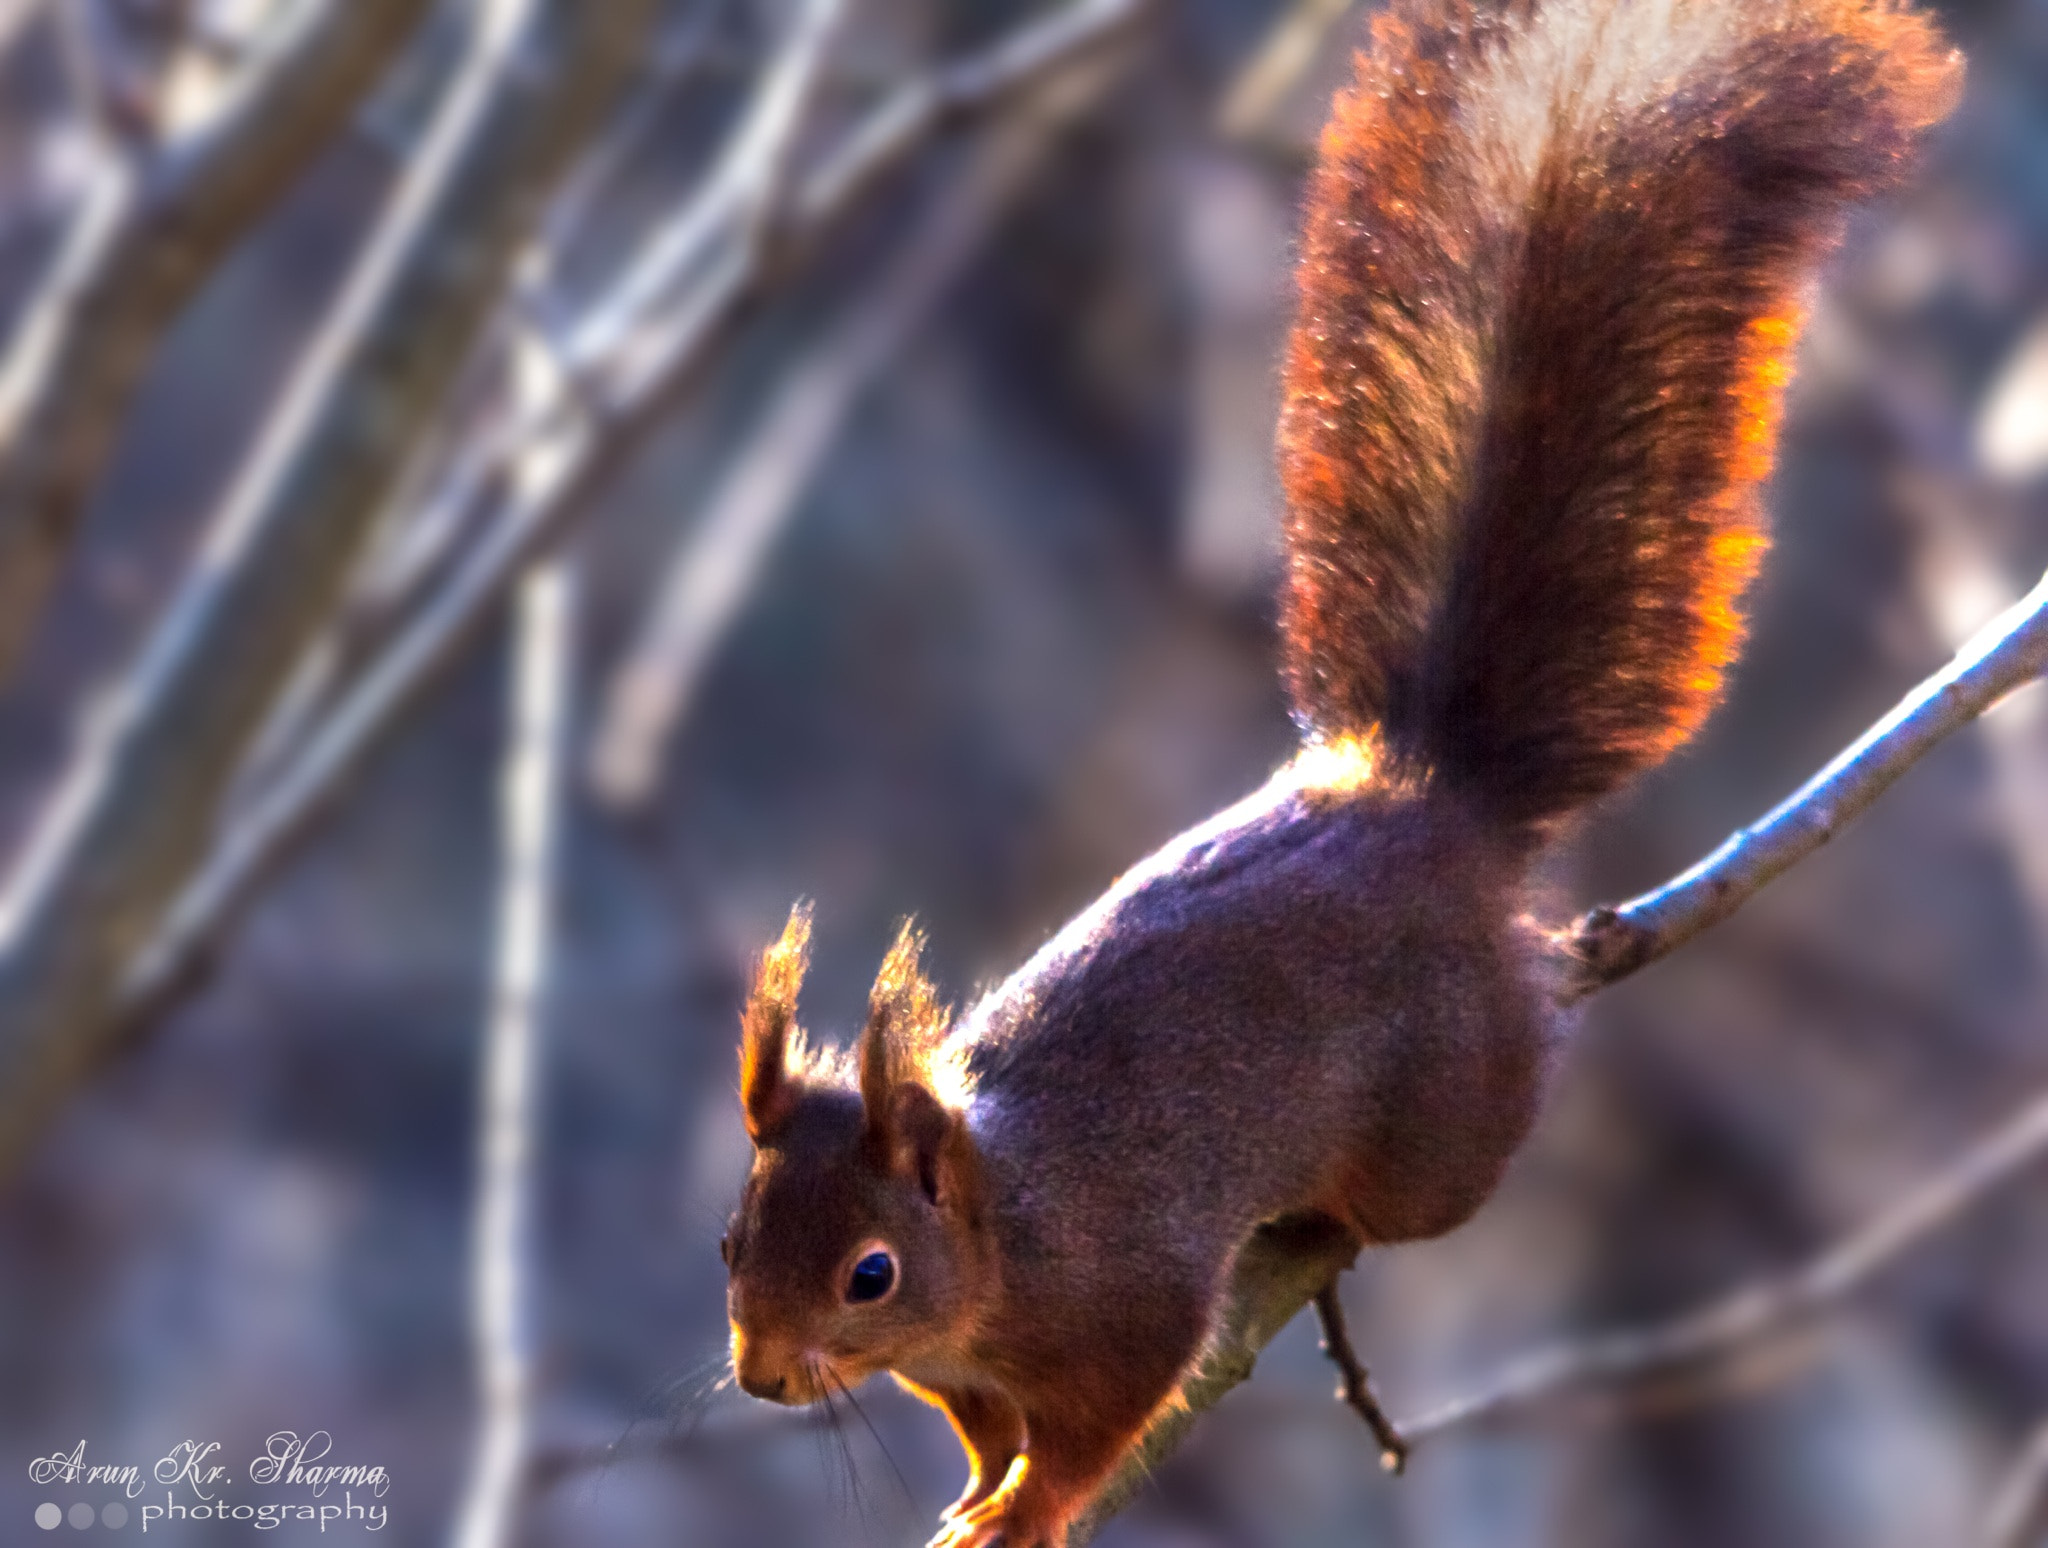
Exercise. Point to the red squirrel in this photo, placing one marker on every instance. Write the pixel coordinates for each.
(1549, 291)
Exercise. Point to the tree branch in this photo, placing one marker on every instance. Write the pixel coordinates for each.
(1758, 1310)
(759, 492)
(15, 19)
(137, 806)
(541, 494)
(1609, 943)
(1279, 1274)
(149, 232)
(502, 1257)
(2019, 1512)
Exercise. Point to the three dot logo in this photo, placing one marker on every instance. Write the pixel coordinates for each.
(51, 1516)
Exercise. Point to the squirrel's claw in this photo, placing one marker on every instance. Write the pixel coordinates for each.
(962, 1533)
(989, 1525)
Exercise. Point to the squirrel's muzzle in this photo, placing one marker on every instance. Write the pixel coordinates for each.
(769, 1369)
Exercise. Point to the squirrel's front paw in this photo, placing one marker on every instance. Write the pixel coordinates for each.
(994, 1523)
(962, 1533)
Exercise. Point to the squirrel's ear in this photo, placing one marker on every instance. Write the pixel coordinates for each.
(769, 1023)
(904, 1019)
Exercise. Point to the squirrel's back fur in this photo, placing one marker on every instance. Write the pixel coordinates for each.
(1549, 293)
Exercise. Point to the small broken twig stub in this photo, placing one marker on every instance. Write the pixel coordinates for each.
(1354, 1388)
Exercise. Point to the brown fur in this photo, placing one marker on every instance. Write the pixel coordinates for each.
(1548, 291)
(1549, 295)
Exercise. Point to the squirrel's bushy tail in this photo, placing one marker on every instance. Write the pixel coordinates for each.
(1549, 294)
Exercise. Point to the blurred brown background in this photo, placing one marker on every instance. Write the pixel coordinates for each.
(987, 617)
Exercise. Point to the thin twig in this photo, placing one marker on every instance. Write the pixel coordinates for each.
(1757, 1310)
(502, 1266)
(2018, 1517)
(680, 55)
(149, 232)
(1611, 942)
(426, 532)
(1284, 1267)
(136, 808)
(740, 197)
(738, 1432)
(553, 485)
(1354, 1388)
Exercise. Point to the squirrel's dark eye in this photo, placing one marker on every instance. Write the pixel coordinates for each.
(873, 1277)
(725, 1248)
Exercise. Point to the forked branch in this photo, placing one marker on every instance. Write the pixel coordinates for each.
(1283, 1269)
(149, 230)
(136, 806)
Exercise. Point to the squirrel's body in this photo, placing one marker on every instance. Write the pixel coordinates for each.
(1335, 972)
(1550, 285)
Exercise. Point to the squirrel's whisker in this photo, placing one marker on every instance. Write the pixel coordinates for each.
(888, 1456)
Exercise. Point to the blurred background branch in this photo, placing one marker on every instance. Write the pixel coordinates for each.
(503, 1272)
(134, 811)
(718, 564)
(2019, 1511)
(1755, 1312)
(152, 223)
(556, 453)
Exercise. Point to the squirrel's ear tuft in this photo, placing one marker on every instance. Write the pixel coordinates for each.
(768, 1025)
(905, 1020)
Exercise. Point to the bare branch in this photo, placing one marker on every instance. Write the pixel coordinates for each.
(542, 492)
(1354, 1388)
(456, 488)
(740, 197)
(1285, 1267)
(2019, 1512)
(15, 17)
(1611, 942)
(502, 1261)
(138, 803)
(150, 232)
(1271, 1284)
(1761, 1309)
